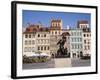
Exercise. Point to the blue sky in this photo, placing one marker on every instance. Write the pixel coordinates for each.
(68, 18)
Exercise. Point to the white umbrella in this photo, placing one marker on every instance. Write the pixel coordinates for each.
(32, 55)
(44, 54)
(35, 54)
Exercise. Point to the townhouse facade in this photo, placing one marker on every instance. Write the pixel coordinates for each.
(76, 43)
(84, 25)
(87, 42)
(43, 41)
(29, 43)
(36, 38)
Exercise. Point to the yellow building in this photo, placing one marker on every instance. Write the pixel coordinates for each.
(55, 32)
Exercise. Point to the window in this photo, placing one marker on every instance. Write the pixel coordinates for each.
(48, 47)
(29, 49)
(56, 24)
(38, 35)
(38, 48)
(29, 35)
(72, 39)
(72, 33)
(25, 49)
(85, 41)
(26, 42)
(80, 46)
(80, 39)
(75, 46)
(74, 55)
(29, 42)
(26, 35)
(77, 33)
(87, 35)
(77, 39)
(33, 35)
(72, 46)
(44, 47)
(33, 42)
(80, 33)
(44, 35)
(88, 42)
(55, 32)
(88, 47)
(84, 35)
(41, 41)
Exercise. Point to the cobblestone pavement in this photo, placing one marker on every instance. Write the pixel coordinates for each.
(80, 62)
(58, 63)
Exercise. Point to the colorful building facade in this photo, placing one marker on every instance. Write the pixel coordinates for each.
(45, 39)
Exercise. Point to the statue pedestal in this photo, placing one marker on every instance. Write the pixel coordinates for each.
(62, 62)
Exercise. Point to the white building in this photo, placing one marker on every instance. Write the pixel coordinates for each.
(76, 43)
(84, 25)
(86, 42)
(29, 39)
(29, 42)
(43, 41)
